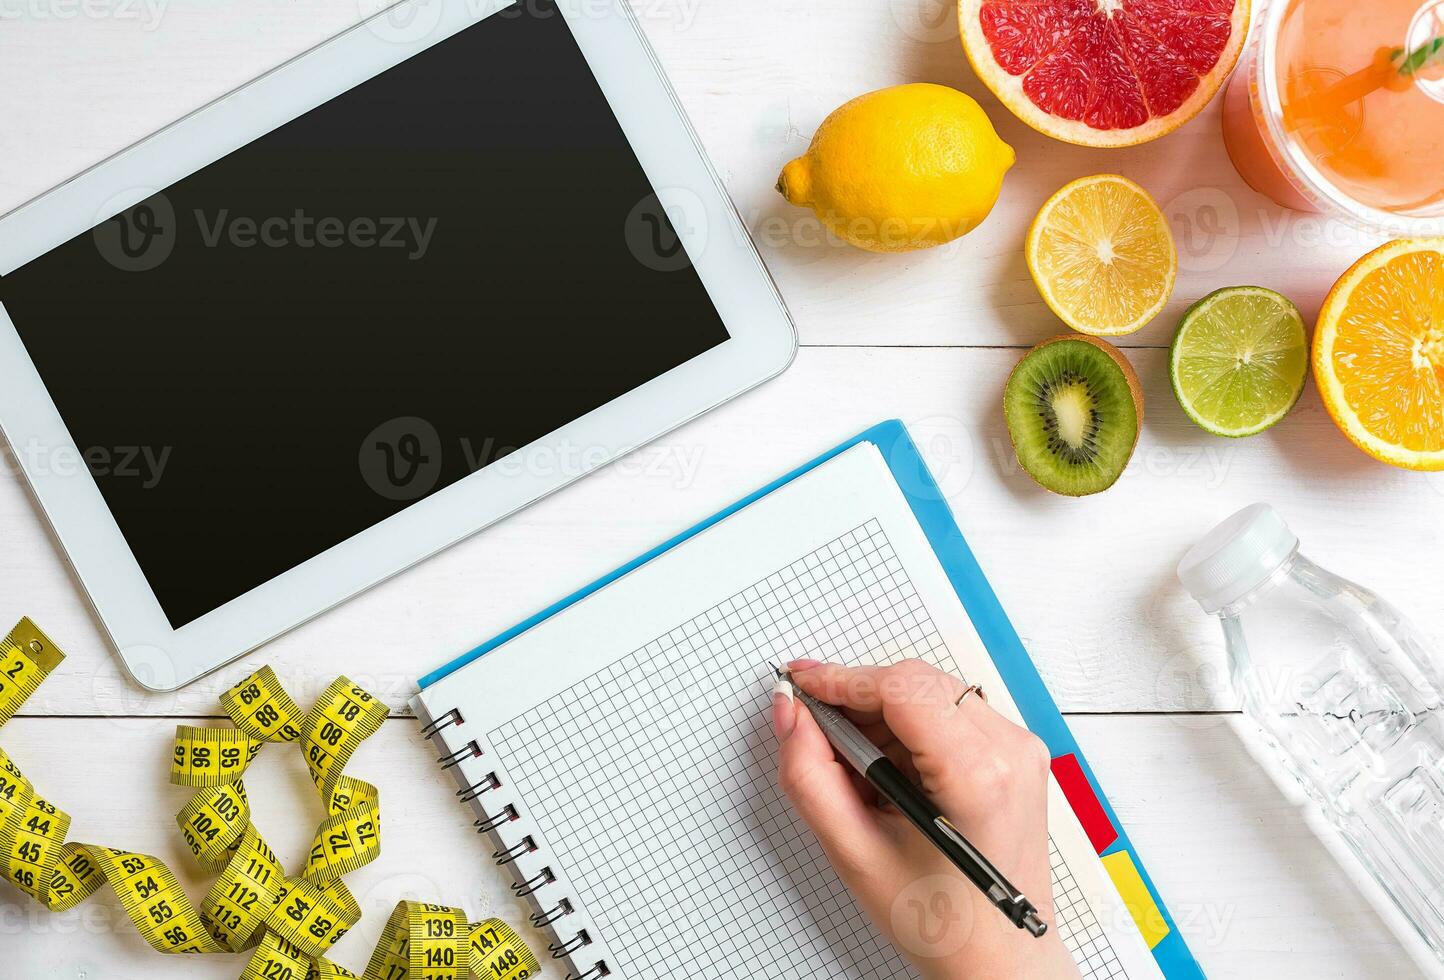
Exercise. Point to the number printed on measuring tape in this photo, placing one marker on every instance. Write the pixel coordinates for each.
(261, 708)
(498, 953)
(27, 656)
(289, 922)
(337, 724)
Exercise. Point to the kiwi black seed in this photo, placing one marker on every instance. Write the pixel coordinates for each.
(1074, 410)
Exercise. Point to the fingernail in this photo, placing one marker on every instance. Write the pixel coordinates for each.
(784, 709)
(795, 665)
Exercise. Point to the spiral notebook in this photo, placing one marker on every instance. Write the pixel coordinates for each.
(617, 749)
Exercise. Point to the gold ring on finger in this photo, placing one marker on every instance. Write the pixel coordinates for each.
(971, 690)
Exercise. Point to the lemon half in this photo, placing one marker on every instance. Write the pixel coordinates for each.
(1102, 256)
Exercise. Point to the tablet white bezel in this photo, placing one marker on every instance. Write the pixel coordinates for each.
(762, 342)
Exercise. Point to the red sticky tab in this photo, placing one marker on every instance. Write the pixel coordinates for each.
(1090, 812)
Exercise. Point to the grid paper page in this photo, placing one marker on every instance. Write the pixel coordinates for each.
(654, 782)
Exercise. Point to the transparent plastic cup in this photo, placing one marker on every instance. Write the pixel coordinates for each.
(1376, 159)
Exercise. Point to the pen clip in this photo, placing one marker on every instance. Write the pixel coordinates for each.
(1013, 903)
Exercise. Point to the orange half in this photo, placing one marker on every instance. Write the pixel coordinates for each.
(1379, 353)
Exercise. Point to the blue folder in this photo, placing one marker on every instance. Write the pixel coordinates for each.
(1017, 670)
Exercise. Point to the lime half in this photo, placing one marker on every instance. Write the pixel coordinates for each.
(1238, 360)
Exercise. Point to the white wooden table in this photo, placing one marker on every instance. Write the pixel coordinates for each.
(928, 337)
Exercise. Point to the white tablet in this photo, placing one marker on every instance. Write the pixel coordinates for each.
(360, 308)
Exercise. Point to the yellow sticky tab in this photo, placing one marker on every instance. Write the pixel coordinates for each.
(1135, 895)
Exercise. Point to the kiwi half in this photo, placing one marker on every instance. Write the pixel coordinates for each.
(1074, 409)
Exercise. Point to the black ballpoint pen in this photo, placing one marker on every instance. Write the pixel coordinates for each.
(898, 790)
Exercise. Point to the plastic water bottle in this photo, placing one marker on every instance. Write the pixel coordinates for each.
(1346, 692)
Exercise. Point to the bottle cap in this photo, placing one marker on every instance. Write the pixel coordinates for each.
(1237, 557)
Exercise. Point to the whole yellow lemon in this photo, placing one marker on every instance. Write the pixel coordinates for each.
(901, 168)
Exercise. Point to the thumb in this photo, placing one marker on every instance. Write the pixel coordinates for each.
(822, 791)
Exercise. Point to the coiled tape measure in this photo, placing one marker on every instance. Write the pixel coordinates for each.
(287, 922)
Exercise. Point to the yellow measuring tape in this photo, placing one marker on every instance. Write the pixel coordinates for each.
(287, 922)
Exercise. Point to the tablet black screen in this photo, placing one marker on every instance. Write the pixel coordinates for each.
(404, 284)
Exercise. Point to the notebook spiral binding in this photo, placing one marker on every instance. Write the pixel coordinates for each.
(549, 912)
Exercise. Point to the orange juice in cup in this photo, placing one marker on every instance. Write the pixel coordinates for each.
(1338, 107)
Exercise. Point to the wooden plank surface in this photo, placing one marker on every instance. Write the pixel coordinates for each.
(1089, 583)
(928, 337)
(756, 77)
(1253, 896)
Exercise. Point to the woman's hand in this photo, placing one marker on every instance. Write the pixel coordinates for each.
(989, 777)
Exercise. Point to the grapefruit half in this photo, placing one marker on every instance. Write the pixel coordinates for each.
(1103, 72)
